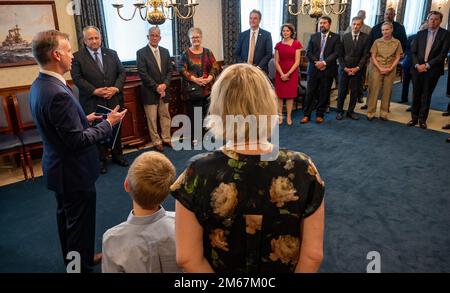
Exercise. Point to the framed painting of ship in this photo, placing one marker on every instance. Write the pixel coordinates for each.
(19, 22)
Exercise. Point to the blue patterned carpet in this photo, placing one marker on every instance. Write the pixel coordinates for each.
(387, 190)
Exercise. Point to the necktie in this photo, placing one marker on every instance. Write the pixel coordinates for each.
(252, 48)
(97, 60)
(355, 39)
(322, 45)
(158, 59)
(429, 45)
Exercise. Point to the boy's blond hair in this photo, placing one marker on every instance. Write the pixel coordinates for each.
(149, 179)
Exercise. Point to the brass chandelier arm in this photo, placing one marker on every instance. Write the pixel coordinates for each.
(317, 7)
(162, 10)
(118, 7)
(190, 13)
(302, 9)
(143, 17)
(341, 9)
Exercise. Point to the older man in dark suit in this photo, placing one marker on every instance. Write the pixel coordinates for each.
(428, 53)
(70, 160)
(100, 77)
(322, 53)
(255, 45)
(353, 55)
(155, 70)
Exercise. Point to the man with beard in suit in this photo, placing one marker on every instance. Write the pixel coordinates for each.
(322, 53)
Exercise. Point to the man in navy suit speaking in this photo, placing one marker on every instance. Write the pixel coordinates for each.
(254, 45)
(70, 161)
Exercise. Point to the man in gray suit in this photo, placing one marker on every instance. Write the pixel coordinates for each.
(155, 70)
(353, 56)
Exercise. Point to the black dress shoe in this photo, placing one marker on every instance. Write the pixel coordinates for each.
(446, 126)
(339, 116)
(408, 109)
(364, 107)
(121, 161)
(103, 168)
(423, 125)
(412, 123)
(445, 114)
(352, 116)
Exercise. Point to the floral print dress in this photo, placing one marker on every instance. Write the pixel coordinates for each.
(250, 210)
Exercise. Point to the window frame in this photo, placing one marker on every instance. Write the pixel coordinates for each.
(105, 5)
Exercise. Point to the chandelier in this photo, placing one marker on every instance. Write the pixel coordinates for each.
(157, 11)
(318, 8)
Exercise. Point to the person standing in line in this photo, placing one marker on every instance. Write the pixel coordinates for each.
(322, 53)
(198, 67)
(287, 60)
(428, 53)
(353, 57)
(255, 44)
(155, 70)
(100, 77)
(399, 33)
(385, 55)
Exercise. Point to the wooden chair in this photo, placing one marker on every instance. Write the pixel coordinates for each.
(28, 132)
(10, 144)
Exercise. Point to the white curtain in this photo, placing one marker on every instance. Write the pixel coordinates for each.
(371, 8)
(413, 16)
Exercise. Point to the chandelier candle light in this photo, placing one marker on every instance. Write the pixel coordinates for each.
(157, 11)
(318, 8)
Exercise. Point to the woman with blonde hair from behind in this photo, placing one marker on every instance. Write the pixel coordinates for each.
(236, 211)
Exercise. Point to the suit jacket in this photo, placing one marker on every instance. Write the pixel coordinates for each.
(70, 161)
(151, 76)
(330, 54)
(263, 49)
(406, 63)
(351, 55)
(87, 77)
(399, 33)
(438, 52)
